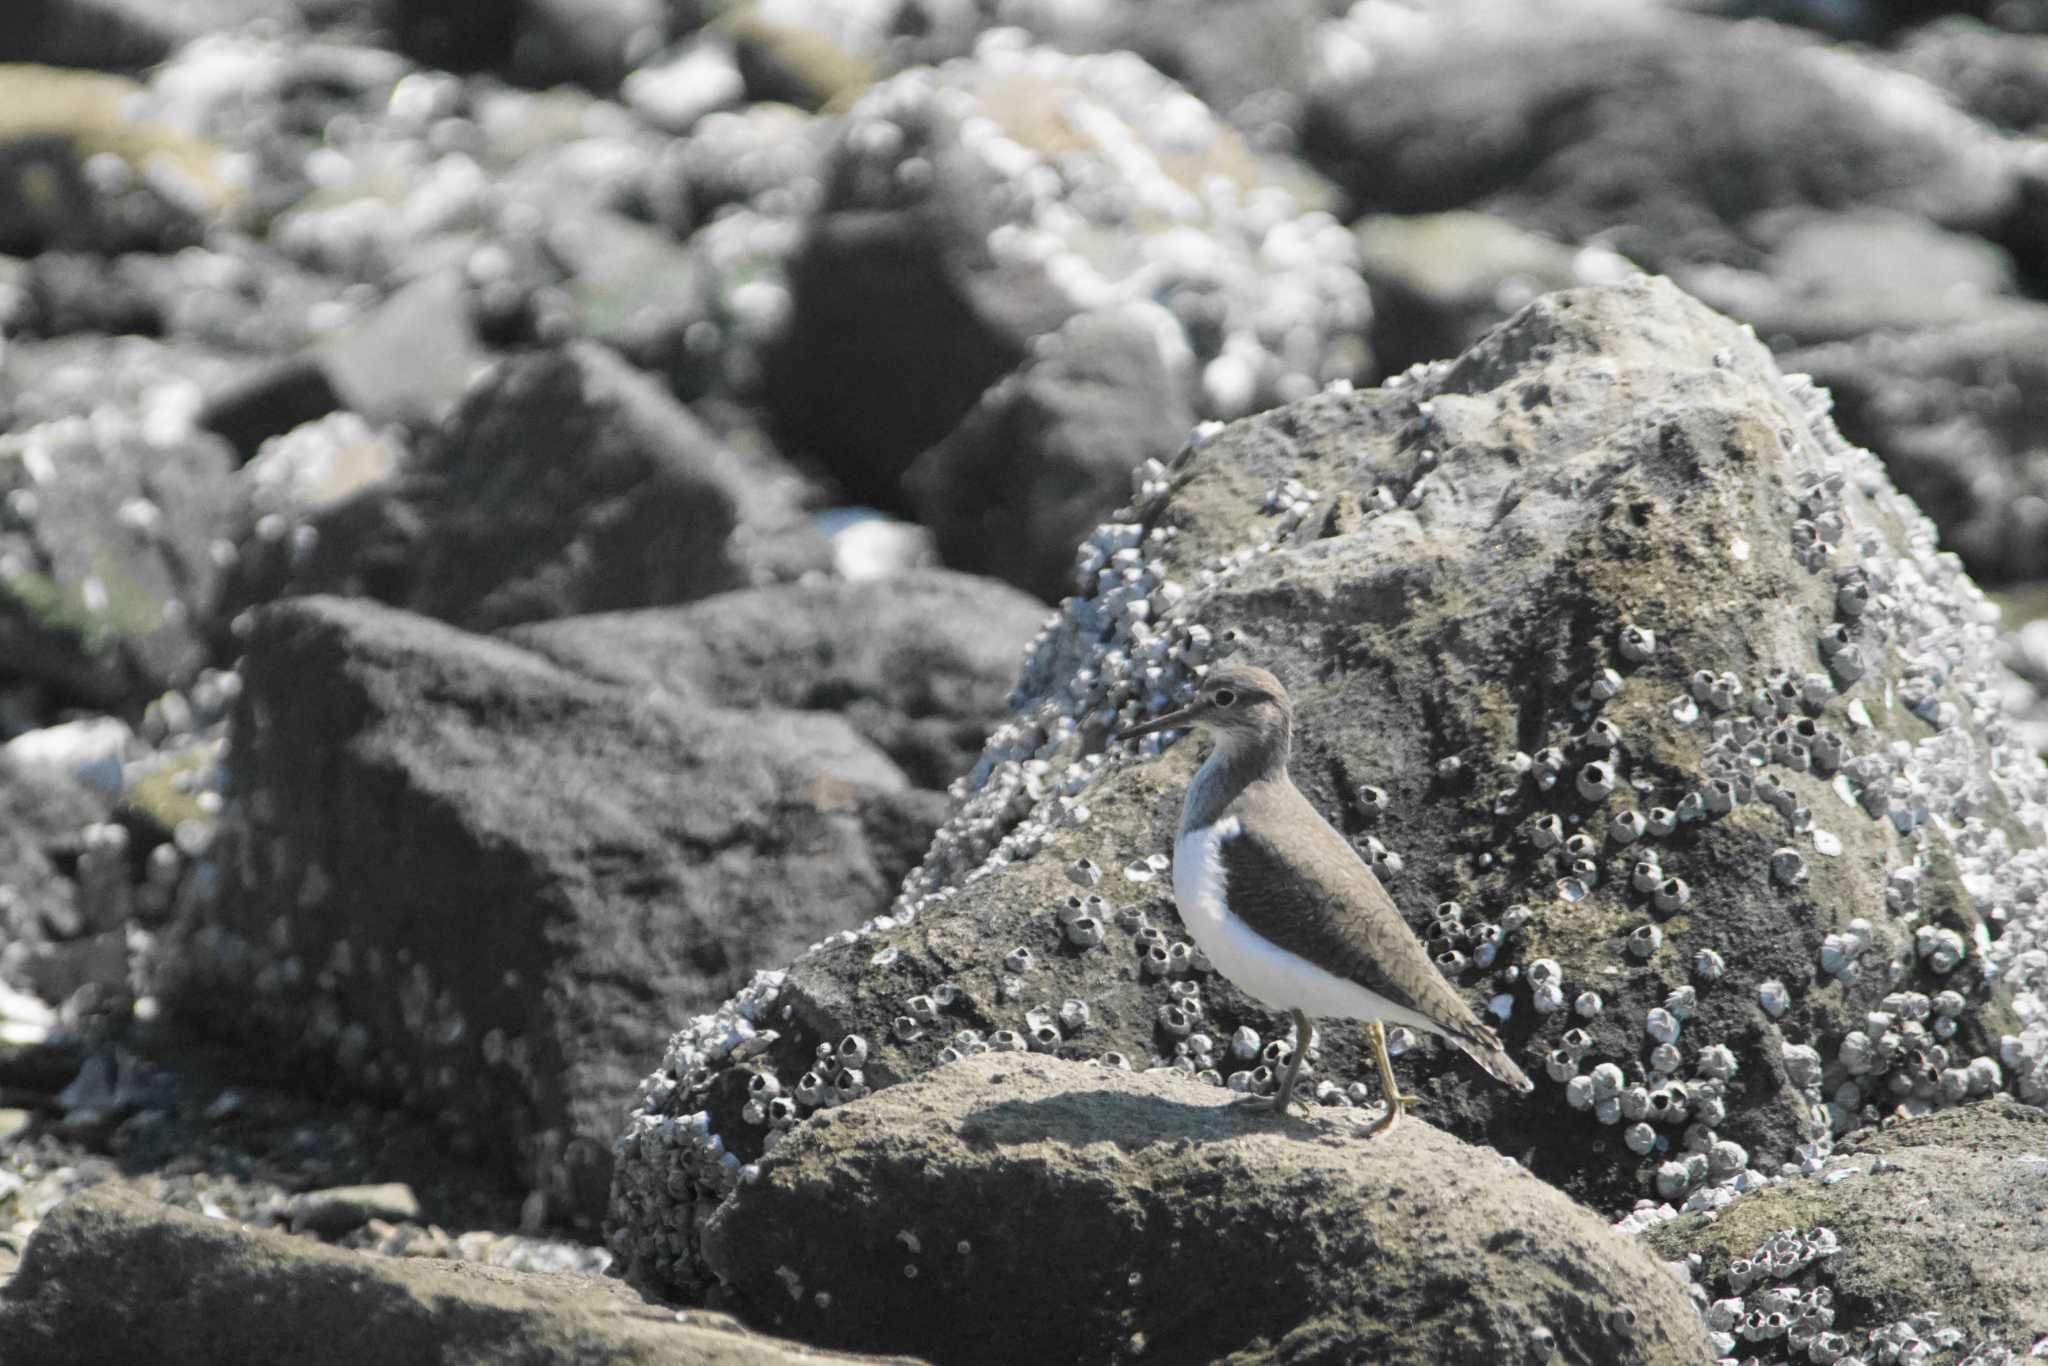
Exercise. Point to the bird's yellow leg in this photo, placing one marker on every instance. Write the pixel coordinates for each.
(1397, 1103)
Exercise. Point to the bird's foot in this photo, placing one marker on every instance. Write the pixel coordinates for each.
(1397, 1108)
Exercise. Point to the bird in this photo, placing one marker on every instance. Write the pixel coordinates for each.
(1284, 907)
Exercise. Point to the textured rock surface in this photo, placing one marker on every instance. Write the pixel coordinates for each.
(1049, 449)
(42, 817)
(920, 664)
(194, 1285)
(1018, 1209)
(971, 207)
(1563, 119)
(1938, 1217)
(460, 876)
(567, 483)
(108, 568)
(1446, 571)
(1960, 414)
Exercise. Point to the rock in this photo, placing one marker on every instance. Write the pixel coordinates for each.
(1837, 276)
(1048, 451)
(88, 751)
(1562, 120)
(565, 483)
(191, 1287)
(2002, 78)
(1921, 1219)
(410, 358)
(107, 564)
(920, 664)
(699, 78)
(43, 381)
(972, 207)
(123, 35)
(1444, 571)
(454, 874)
(1957, 413)
(1014, 1209)
(1440, 281)
(270, 402)
(344, 1208)
(79, 172)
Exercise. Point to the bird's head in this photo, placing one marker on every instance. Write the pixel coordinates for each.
(1241, 704)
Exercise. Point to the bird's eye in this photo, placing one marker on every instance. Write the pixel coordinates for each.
(1224, 697)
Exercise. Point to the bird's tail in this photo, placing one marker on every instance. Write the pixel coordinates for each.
(1483, 1046)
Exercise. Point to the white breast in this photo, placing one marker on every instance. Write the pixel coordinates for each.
(1260, 968)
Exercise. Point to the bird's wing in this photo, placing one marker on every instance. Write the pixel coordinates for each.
(1298, 883)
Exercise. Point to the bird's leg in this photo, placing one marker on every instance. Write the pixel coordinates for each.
(1397, 1103)
(1301, 1038)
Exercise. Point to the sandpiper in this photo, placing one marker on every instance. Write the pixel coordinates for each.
(1282, 904)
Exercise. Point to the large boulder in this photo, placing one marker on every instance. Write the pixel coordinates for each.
(1022, 1209)
(971, 207)
(1929, 1231)
(920, 663)
(1653, 702)
(199, 1289)
(461, 877)
(565, 483)
(1050, 448)
(1564, 118)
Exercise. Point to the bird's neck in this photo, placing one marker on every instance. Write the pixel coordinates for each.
(1234, 765)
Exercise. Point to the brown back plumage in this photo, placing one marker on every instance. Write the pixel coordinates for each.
(1297, 882)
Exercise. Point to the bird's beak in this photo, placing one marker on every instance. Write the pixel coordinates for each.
(1173, 720)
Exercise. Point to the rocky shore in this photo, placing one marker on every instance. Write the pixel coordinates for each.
(567, 568)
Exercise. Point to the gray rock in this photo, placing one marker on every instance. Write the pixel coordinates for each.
(339, 1209)
(456, 875)
(1440, 281)
(1563, 120)
(1928, 1218)
(1019, 1209)
(565, 483)
(2000, 77)
(1048, 451)
(919, 664)
(42, 816)
(1444, 571)
(108, 567)
(1957, 412)
(972, 207)
(150, 187)
(194, 1288)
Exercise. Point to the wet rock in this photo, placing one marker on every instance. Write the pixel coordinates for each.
(565, 483)
(1923, 1221)
(1013, 1209)
(1562, 123)
(149, 191)
(1482, 582)
(189, 1284)
(920, 664)
(974, 206)
(343, 1208)
(1048, 451)
(496, 878)
(108, 569)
